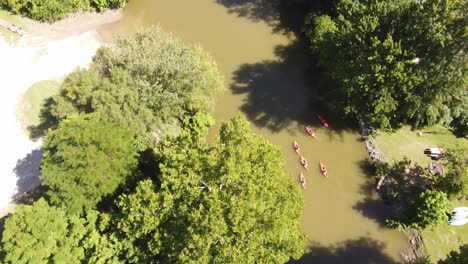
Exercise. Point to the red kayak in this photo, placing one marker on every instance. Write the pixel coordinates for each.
(310, 132)
(324, 122)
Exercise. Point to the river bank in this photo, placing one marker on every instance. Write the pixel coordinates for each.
(417, 248)
(45, 51)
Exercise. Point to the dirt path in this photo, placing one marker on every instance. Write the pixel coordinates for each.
(45, 52)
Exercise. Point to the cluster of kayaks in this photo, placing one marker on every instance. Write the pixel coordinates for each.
(459, 216)
(302, 160)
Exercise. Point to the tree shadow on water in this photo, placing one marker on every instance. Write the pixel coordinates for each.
(362, 250)
(276, 92)
(372, 206)
(282, 15)
(27, 172)
(284, 91)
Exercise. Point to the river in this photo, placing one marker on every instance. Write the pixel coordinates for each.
(265, 80)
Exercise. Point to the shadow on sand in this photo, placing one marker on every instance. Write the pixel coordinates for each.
(27, 172)
(362, 250)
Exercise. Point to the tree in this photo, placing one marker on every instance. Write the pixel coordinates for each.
(431, 208)
(86, 158)
(229, 202)
(456, 257)
(455, 180)
(395, 61)
(149, 83)
(40, 233)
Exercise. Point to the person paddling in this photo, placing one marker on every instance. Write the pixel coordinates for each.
(304, 163)
(303, 181)
(296, 147)
(310, 132)
(323, 169)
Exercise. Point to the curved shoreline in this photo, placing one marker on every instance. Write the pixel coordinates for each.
(46, 51)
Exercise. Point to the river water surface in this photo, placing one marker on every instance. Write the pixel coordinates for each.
(265, 80)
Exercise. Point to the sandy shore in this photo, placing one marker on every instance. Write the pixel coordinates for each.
(46, 52)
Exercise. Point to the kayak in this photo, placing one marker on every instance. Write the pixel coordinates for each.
(323, 169)
(302, 180)
(458, 221)
(310, 132)
(460, 212)
(296, 147)
(324, 122)
(304, 163)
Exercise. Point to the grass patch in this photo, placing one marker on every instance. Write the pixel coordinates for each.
(13, 19)
(32, 101)
(405, 142)
(440, 240)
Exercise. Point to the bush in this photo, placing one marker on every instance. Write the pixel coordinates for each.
(53, 10)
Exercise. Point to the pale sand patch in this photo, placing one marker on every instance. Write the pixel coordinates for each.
(48, 52)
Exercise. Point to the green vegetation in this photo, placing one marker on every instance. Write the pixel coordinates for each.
(86, 158)
(34, 98)
(431, 208)
(455, 181)
(396, 62)
(52, 10)
(161, 196)
(40, 233)
(148, 83)
(6, 33)
(442, 239)
(454, 257)
(230, 202)
(406, 142)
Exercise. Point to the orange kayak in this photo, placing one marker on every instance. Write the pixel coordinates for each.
(304, 163)
(296, 146)
(323, 169)
(302, 180)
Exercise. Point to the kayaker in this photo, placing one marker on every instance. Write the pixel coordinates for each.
(323, 169)
(310, 131)
(304, 163)
(302, 179)
(296, 147)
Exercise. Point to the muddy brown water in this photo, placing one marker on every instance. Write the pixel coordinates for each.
(265, 81)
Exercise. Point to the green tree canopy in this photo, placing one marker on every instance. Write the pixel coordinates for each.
(225, 203)
(52, 10)
(40, 233)
(372, 49)
(86, 158)
(145, 82)
(431, 209)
